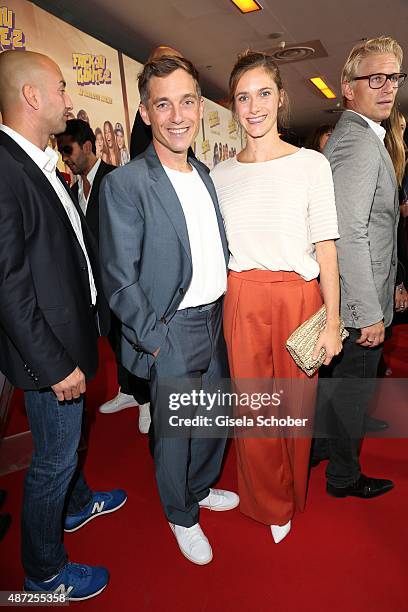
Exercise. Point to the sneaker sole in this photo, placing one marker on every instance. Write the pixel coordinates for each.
(185, 554)
(113, 410)
(96, 516)
(88, 596)
(220, 509)
(75, 598)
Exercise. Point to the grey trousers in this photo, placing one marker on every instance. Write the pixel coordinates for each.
(187, 466)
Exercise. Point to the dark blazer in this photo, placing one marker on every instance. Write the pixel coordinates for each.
(47, 322)
(92, 210)
(145, 253)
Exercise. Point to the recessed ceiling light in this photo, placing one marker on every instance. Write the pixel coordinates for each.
(323, 87)
(247, 6)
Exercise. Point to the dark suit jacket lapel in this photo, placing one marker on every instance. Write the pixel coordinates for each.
(166, 195)
(37, 176)
(88, 238)
(100, 173)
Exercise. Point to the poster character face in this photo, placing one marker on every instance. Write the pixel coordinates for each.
(120, 136)
(108, 132)
(82, 114)
(99, 142)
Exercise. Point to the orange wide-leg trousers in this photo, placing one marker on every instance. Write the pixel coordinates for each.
(261, 310)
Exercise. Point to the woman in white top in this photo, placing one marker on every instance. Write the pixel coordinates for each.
(278, 206)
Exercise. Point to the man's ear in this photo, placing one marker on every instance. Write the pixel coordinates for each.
(201, 107)
(347, 90)
(144, 114)
(87, 147)
(31, 95)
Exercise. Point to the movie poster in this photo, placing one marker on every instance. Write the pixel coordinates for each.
(220, 138)
(102, 84)
(90, 68)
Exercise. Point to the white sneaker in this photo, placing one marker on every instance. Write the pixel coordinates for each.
(120, 402)
(193, 543)
(144, 418)
(279, 532)
(219, 500)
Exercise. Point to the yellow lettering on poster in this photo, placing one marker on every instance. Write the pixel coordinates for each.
(10, 36)
(91, 69)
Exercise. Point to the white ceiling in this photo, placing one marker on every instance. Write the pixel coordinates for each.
(212, 32)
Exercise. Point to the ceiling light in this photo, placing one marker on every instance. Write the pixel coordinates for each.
(247, 6)
(323, 87)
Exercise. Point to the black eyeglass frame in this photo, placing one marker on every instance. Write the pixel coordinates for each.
(368, 77)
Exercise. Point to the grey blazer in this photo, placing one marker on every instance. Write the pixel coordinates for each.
(145, 253)
(367, 208)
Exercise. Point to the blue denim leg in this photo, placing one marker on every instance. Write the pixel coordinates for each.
(56, 430)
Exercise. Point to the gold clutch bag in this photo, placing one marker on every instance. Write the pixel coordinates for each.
(302, 341)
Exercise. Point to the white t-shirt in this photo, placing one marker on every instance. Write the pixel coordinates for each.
(209, 279)
(275, 211)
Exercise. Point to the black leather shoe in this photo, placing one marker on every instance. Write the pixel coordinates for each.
(364, 487)
(371, 424)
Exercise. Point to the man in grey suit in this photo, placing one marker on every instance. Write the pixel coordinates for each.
(367, 209)
(164, 257)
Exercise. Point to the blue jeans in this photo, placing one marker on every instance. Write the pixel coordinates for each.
(53, 485)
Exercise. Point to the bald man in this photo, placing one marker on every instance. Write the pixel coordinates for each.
(50, 307)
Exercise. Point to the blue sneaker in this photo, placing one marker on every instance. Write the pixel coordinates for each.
(101, 503)
(75, 580)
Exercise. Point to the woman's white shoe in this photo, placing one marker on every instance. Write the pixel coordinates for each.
(279, 532)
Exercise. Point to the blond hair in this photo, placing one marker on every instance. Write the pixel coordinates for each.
(382, 44)
(394, 142)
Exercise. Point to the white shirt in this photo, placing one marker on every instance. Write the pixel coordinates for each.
(83, 201)
(209, 278)
(275, 211)
(47, 162)
(376, 127)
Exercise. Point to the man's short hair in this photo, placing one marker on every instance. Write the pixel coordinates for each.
(162, 67)
(80, 131)
(382, 44)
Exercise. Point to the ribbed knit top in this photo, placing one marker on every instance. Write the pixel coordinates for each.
(276, 211)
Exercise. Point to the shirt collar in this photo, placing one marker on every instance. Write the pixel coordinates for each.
(45, 160)
(92, 173)
(376, 127)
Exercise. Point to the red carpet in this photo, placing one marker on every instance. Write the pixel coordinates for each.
(342, 555)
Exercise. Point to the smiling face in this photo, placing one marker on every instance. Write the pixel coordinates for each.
(108, 131)
(376, 104)
(173, 111)
(256, 102)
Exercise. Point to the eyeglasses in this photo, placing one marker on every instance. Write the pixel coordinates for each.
(376, 81)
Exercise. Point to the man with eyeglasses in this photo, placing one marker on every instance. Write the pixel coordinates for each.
(367, 207)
